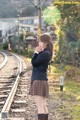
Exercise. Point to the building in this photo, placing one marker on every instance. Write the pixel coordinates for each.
(30, 42)
(7, 29)
(30, 24)
(13, 26)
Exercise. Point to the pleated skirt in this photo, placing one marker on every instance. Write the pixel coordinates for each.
(40, 88)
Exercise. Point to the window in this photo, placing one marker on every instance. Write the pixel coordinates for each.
(28, 29)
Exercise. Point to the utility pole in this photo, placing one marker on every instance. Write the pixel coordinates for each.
(39, 13)
(38, 6)
(40, 21)
(18, 37)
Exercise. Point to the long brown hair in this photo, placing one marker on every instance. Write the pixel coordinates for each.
(47, 39)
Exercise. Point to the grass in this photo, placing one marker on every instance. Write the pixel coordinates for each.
(76, 112)
(71, 94)
(73, 87)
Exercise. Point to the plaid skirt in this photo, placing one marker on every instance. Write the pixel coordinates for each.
(40, 88)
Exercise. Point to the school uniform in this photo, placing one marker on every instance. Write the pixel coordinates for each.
(39, 80)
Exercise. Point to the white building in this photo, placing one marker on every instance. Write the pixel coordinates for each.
(13, 25)
(30, 24)
(6, 28)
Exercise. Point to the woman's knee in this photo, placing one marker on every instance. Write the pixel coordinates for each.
(40, 101)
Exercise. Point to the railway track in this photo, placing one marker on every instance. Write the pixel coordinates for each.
(15, 103)
(9, 79)
(14, 99)
(20, 107)
(23, 105)
(3, 59)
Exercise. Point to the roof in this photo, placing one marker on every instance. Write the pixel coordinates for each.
(30, 38)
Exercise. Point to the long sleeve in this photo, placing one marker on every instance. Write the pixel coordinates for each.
(40, 63)
(41, 58)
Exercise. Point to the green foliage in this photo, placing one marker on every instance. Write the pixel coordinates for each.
(69, 43)
(30, 53)
(23, 52)
(1, 46)
(51, 15)
(5, 46)
(78, 45)
(15, 50)
(21, 37)
(73, 87)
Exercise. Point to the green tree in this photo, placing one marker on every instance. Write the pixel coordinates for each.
(70, 26)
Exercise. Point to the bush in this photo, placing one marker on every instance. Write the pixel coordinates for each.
(15, 50)
(30, 52)
(5, 46)
(1, 46)
(23, 52)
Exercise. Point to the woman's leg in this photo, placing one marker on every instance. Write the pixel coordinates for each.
(46, 110)
(42, 107)
(40, 103)
(45, 107)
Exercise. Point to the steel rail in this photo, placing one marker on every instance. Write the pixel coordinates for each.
(5, 60)
(6, 107)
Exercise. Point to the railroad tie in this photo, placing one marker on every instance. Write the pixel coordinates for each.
(16, 118)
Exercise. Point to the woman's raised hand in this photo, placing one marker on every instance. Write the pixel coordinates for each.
(38, 49)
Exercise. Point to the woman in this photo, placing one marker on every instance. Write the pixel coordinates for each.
(39, 85)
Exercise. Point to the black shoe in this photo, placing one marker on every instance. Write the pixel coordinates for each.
(41, 116)
(46, 116)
